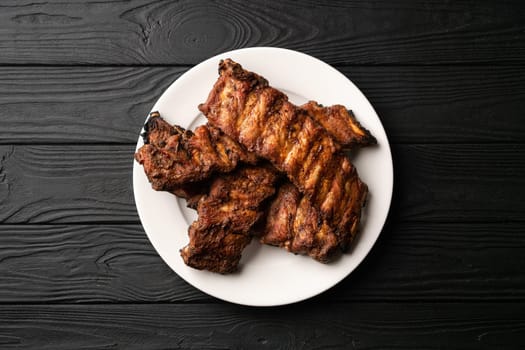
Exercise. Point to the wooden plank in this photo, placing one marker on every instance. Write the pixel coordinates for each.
(109, 105)
(78, 105)
(458, 182)
(79, 263)
(304, 326)
(92, 183)
(116, 263)
(446, 104)
(440, 261)
(186, 32)
(66, 184)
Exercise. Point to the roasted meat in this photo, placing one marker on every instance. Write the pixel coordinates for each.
(261, 118)
(316, 211)
(340, 123)
(228, 206)
(304, 233)
(295, 224)
(173, 157)
(226, 217)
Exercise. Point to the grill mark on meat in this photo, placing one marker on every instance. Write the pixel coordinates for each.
(173, 156)
(304, 232)
(341, 124)
(294, 223)
(238, 85)
(227, 215)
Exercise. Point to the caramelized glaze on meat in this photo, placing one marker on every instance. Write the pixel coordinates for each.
(172, 156)
(340, 123)
(292, 221)
(261, 118)
(316, 214)
(294, 224)
(226, 217)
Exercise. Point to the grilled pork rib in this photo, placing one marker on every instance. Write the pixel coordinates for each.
(306, 232)
(261, 118)
(228, 206)
(294, 223)
(172, 156)
(303, 224)
(340, 123)
(226, 217)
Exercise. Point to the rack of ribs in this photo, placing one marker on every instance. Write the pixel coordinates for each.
(192, 166)
(181, 161)
(292, 221)
(259, 117)
(227, 214)
(340, 123)
(172, 156)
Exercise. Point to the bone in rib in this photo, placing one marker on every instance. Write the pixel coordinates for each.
(261, 118)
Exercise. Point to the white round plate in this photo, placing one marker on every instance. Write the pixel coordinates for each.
(268, 275)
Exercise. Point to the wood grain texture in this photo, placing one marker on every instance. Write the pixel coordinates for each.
(458, 183)
(92, 183)
(66, 184)
(78, 105)
(77, 79)
(109, 105)
(440, 261)
(303, 326)
(78, 263)
(116, 263)
(186, 32)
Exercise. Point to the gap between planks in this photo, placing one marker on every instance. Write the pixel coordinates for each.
(336, 65)
(321, 301)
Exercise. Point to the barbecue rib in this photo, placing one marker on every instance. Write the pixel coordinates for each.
(170, 143)
(261, 118)
(226, 216)
(228, 206)
(173, 157)
(340, 123)
(306, 233)
(293, 223)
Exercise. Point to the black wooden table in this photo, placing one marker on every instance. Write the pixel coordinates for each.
(77, 79)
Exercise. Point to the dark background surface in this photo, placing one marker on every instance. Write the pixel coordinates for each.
(77, 79)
